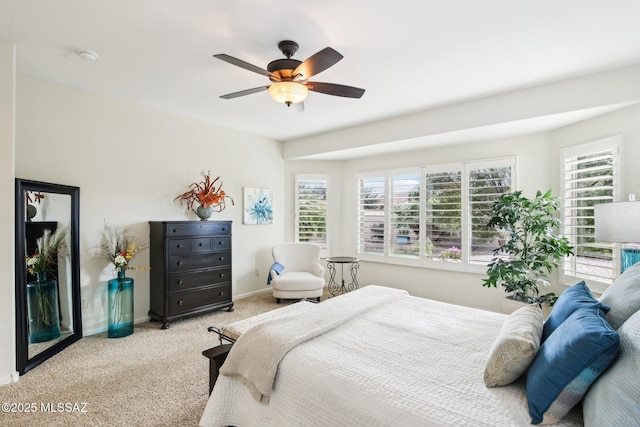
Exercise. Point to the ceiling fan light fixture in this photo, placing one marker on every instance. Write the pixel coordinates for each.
(288, 92)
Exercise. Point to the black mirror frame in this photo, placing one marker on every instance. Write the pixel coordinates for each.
(23, 362)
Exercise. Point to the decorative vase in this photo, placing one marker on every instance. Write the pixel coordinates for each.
(204, 213)
(42, 309)
(32, 211)
(120, 306)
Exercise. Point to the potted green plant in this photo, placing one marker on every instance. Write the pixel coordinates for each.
(530, 246)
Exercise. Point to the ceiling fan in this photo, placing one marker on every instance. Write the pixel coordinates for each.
(290, 77)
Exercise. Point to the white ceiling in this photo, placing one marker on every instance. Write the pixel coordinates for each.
(409, 55)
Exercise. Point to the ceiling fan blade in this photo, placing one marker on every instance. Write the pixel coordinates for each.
(244, 92)
(242, 64)
(318, 62)
(335, 89)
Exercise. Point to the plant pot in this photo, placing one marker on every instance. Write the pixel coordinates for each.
(509, 305)
(204, 213)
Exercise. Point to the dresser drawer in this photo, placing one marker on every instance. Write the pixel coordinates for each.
(201, 245)
(219, 244)
(186, 281)
(188, 301)
(179, 246)
(182, 263)
(197, 229)
(198, 245)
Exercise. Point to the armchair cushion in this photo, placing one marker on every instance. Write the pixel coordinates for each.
(298, 281)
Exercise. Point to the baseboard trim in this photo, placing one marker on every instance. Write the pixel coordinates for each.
(248, 294)
(146, 318)
(10, 379)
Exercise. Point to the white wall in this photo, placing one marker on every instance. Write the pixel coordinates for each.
(130, 162)
(7, 239)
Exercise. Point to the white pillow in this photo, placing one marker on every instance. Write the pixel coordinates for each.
(515, 347)
(623, 296)
(613, 399)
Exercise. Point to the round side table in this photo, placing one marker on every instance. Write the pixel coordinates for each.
(341, 288)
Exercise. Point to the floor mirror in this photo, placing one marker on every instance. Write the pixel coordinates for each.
(48, 305)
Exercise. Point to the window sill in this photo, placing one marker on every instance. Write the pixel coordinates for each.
(427, 264)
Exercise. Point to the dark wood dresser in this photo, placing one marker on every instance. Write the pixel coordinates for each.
(190, 268)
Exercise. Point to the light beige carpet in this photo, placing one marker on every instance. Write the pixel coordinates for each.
(151, 378)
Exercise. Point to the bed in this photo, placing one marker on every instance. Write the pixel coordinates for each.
(373, 357)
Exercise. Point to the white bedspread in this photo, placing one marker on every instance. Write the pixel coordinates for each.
(276, 337)
(408, 362)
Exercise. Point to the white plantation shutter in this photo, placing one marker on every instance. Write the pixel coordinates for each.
(589, 177)
(371, 214)
(487, 181)
(312, 209)
(443, 213)
(405, 215)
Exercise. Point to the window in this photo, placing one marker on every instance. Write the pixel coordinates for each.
(486, 183)
(443, 212)
(405, 215)
(371, 215)
(589, 176)
(433, 214)
(389, 214)
(312, 208)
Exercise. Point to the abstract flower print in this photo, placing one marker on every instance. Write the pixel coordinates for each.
(258, 207)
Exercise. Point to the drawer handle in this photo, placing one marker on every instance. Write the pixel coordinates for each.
(221, 258)
(200, 244)
(180, 302)
(221, 293)
(221, 275)
(179, 262)
(180, 282)
(221, 242)
(175, 230)
(180, 245)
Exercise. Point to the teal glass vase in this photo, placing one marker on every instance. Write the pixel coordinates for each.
(120, 306)
(630, 256)
(42, 309)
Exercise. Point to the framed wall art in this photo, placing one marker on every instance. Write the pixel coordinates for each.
(258, 206)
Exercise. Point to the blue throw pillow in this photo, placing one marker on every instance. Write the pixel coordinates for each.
(570, 300)
(568, 362)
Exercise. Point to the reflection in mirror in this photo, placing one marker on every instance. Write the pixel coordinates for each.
(48, 315)
(54, 215)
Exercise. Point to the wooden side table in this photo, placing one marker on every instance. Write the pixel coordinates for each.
(341, 288)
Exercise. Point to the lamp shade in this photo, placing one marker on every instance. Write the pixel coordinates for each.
(617, 222)
(288, 92)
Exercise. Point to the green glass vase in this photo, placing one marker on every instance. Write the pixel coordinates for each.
(42, 309)
(120, 306)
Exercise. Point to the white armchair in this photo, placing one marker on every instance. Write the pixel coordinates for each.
(302, 275)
